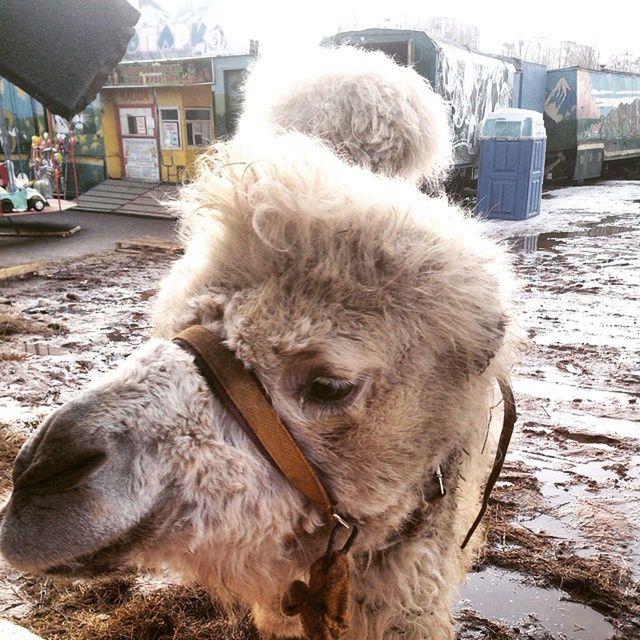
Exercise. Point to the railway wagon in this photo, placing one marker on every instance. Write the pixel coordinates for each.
(473, 84)
(592, 120)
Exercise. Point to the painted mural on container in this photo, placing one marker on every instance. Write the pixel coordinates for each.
(24, 118)
(611, 112)
(561, 103)
(595, 106)
(560, 107)
(474, 85)
(87, 128)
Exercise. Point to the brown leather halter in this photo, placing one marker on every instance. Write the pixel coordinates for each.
(323, 603)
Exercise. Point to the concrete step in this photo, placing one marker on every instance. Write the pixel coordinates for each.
(128, 197)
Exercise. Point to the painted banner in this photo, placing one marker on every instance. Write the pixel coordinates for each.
(161, 74)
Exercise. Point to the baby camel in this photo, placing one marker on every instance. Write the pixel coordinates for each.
(377, 320)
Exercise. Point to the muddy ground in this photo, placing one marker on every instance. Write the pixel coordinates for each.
(563, 553)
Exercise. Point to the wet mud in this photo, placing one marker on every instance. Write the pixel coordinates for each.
(562, 560)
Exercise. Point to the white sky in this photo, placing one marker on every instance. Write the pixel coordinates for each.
(612, 26)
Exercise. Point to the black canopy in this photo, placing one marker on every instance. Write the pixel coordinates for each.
(62, 51)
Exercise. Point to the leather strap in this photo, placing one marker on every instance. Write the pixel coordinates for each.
(508, 422)
(241, 393)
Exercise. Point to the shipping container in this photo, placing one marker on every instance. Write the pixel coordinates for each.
(592, 118)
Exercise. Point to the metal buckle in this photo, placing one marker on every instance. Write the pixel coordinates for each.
(341, 523)
(440, 479)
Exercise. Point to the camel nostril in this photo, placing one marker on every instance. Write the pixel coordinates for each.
(56, 475)
(62, 452)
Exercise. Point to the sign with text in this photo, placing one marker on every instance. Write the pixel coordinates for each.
(170, 73)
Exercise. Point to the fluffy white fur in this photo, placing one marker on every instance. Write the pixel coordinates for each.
(307, 266)
(371, 111)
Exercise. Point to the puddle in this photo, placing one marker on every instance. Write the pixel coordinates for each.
(554, 486)
(595, 471)
(610, 426)
(548, 525)
(12, 411)
(554, 240)
(546, 389)
(498, 594)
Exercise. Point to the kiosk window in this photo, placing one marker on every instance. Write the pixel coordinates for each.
(198, 127)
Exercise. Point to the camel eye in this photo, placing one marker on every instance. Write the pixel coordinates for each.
(329, 390)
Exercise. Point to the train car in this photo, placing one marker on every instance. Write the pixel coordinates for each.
(473, 84)
(592, 120)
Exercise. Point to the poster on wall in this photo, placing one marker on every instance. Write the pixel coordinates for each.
(170, 135)
(141, 158)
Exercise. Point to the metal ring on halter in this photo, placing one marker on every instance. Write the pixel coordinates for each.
(341, 522)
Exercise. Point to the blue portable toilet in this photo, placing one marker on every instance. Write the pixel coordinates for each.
(512, 149)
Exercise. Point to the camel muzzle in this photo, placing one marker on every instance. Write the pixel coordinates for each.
(56, 459)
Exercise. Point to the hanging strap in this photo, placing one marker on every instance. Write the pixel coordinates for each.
(508, 422)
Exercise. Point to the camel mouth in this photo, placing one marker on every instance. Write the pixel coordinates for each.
(113, 556)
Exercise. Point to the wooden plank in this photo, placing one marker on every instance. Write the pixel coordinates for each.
(148, 184)
(142, 208)
(22, 269)
(111, 204)
(65, 233)
(145, 200)
(148, 244)
(160, 216)
(143, 211)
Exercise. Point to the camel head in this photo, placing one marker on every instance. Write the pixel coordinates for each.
(374, 318)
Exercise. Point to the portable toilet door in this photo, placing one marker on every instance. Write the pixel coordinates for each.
(512, 153)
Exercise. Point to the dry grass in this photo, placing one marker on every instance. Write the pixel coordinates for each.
(8, 355)
(16, 322)
(116, 609)
(10, 444)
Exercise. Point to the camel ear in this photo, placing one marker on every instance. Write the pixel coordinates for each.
(493, 338)
(474, 347)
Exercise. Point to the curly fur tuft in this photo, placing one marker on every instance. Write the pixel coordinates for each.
(371, 111)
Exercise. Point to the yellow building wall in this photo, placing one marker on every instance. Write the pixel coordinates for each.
(175, 164)
(110, 130)
(194, 97)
